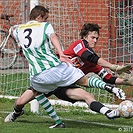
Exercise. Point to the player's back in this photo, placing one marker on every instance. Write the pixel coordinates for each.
(31, 34)
(34, 40)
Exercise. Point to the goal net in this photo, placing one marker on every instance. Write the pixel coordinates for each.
(67, 16)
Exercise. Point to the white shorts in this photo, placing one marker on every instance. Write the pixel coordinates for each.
(59, 76)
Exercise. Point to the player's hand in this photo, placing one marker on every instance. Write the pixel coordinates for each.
(128, 78)
(120, 69)
(66, 59)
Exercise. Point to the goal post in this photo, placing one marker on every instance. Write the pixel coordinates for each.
(33, 3)
(67, 17)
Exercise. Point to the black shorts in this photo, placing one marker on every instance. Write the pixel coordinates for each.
(60, 93)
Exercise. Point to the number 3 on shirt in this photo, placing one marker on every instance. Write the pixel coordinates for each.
(28, 37)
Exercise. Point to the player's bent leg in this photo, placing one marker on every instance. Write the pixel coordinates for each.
(27, 96)
(75, 94)
(44, 102)
(95, 82)
(80, 95)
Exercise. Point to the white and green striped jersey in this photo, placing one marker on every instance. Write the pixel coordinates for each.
(34, 39)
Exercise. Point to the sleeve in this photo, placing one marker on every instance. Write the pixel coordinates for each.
(49, 30)
(90, 56)
(85, 52)
(15, 33)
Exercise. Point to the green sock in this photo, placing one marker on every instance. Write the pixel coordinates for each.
(44, 102)
(96, 83)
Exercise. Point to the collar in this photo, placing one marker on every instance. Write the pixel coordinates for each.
(85, 42)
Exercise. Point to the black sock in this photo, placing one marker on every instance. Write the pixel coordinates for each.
(17, 110)
(98, 107)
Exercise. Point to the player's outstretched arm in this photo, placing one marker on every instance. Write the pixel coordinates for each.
(126, 68)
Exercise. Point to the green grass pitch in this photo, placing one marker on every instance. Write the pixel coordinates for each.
(75, 121)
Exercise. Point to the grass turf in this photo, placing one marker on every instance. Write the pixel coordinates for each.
(75, 121)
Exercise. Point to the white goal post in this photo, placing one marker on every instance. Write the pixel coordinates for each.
(33, 3)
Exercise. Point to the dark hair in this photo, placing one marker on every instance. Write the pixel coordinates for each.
(38, 10)
(90, 27)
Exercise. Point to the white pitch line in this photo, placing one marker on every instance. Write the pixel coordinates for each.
(103, 124)
(96, 123)
(99, 123)
(88, 122)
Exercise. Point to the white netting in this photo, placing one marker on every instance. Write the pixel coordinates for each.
(67, 16)
(14, 80)
(121, 18)
(120, 45)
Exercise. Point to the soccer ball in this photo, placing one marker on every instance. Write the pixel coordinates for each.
(126, 109)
